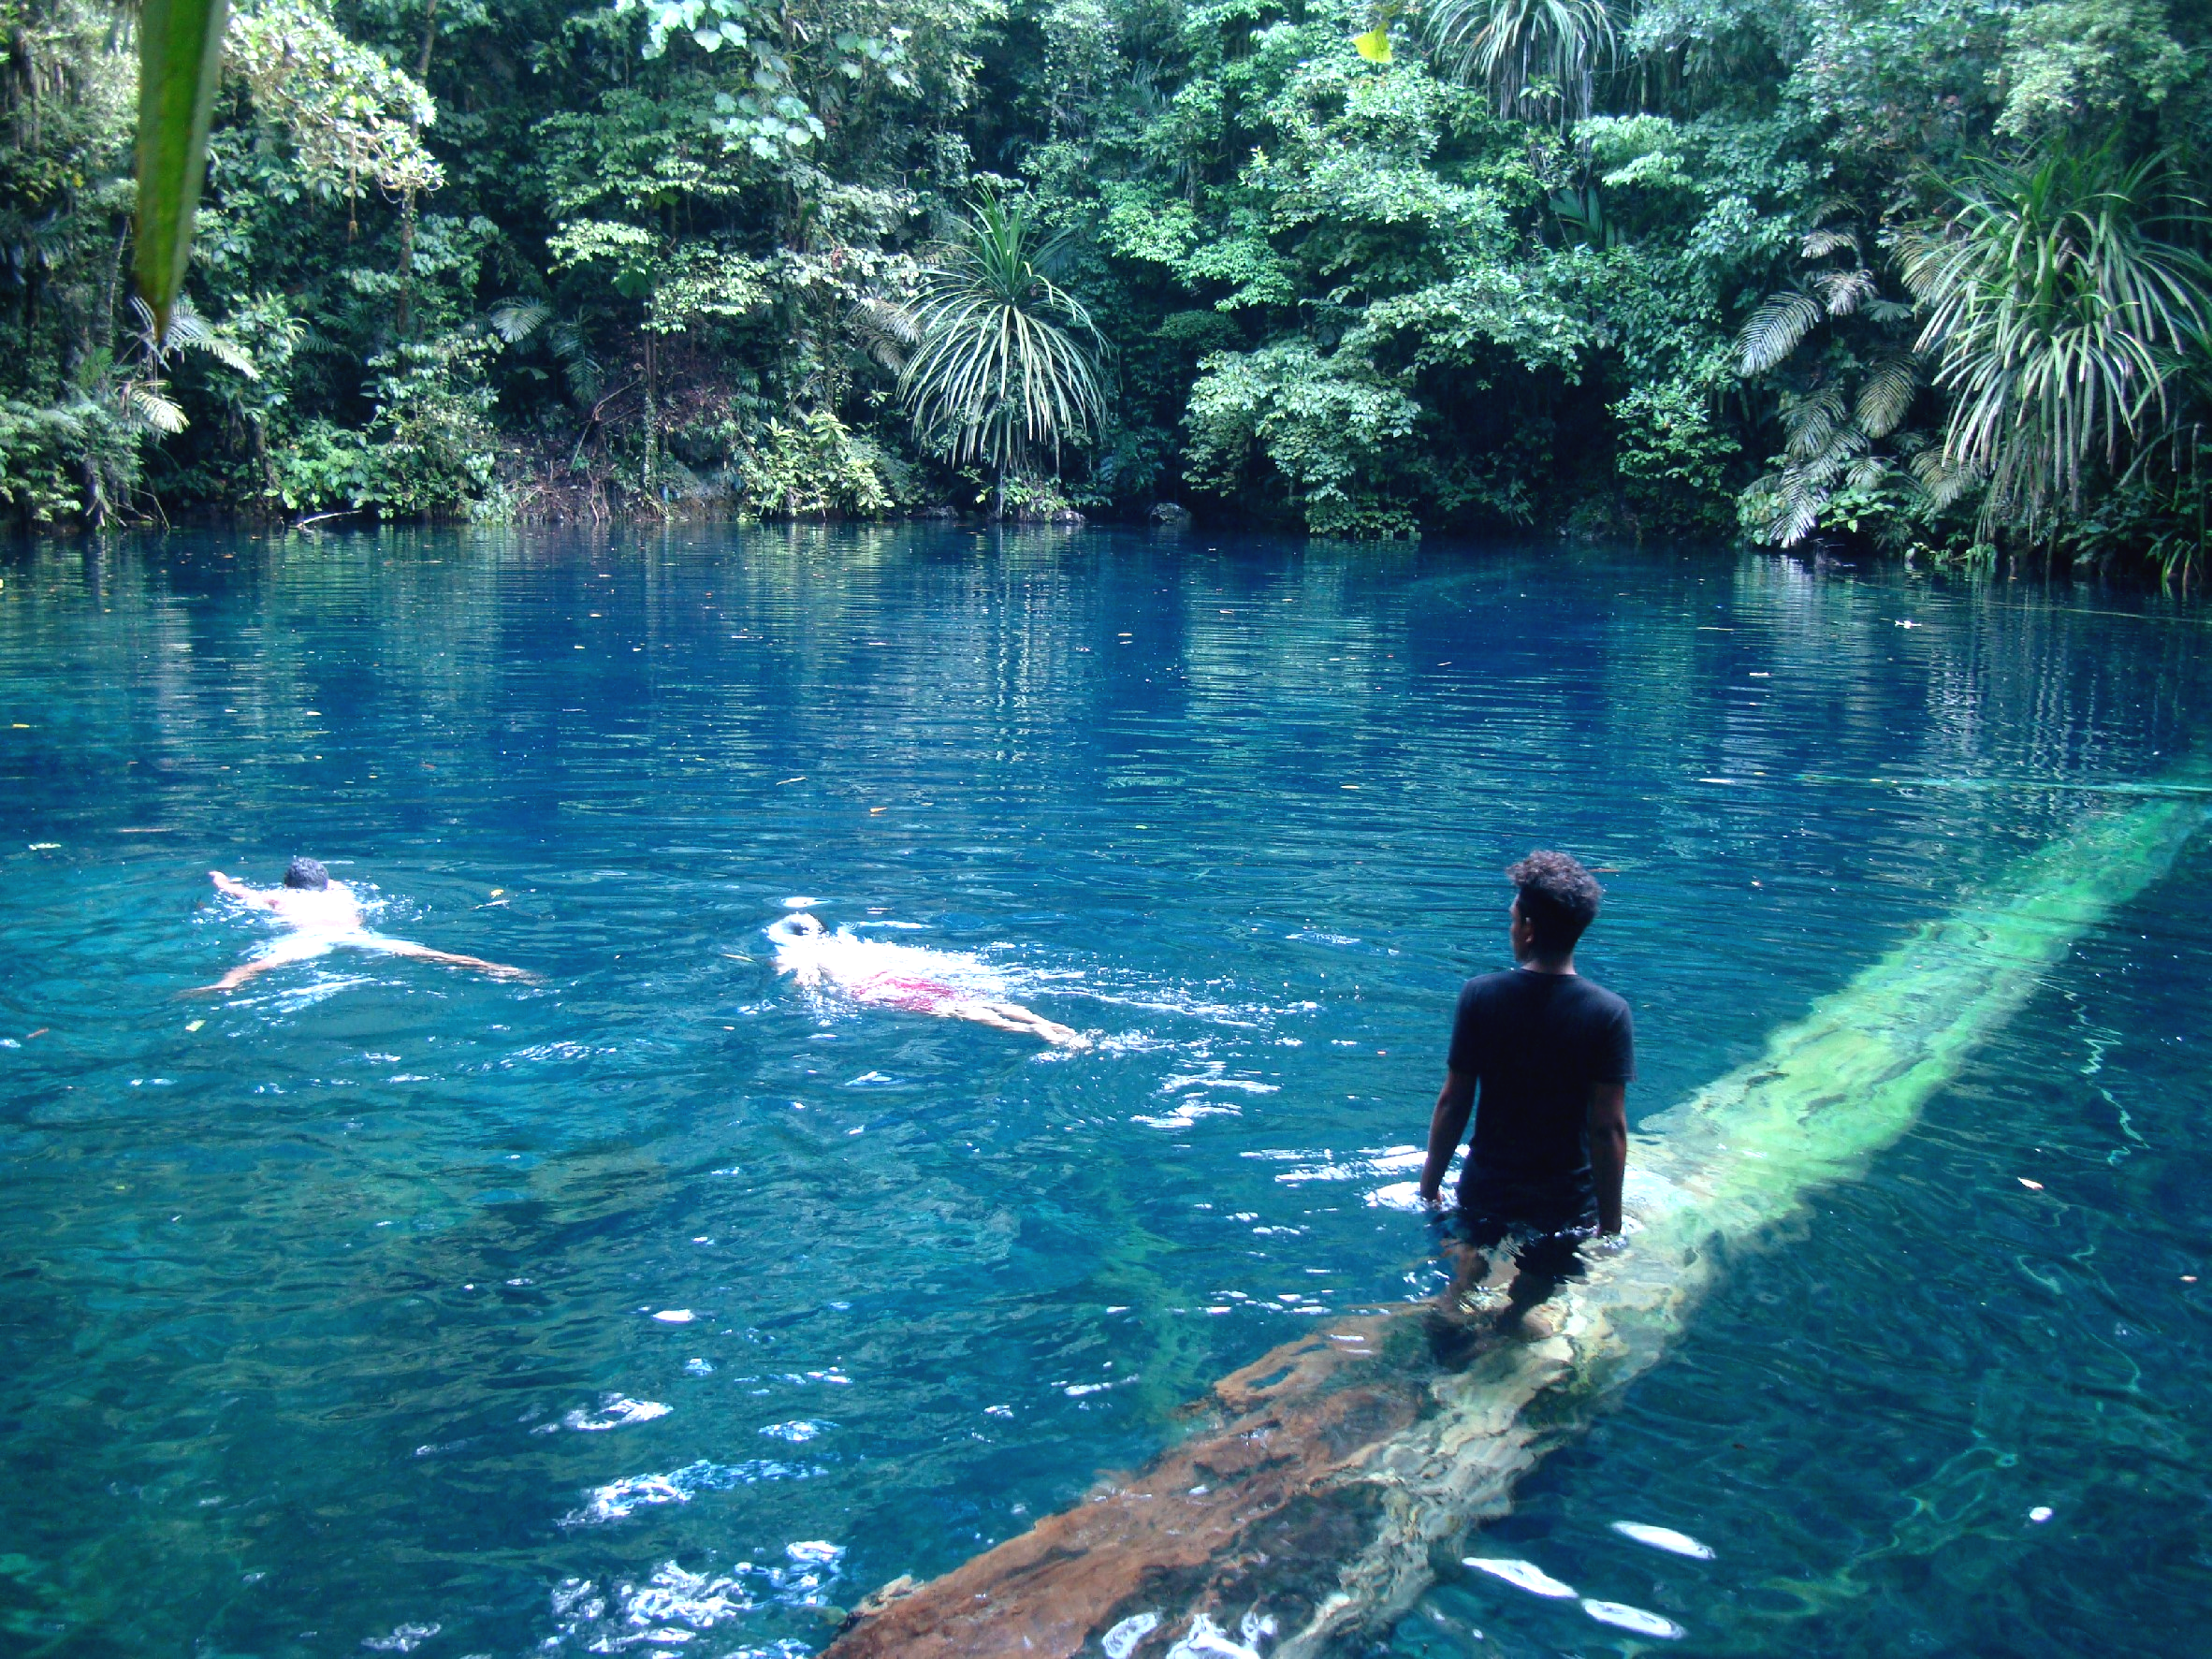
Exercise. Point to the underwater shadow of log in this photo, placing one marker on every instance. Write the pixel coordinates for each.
(1322, 1479)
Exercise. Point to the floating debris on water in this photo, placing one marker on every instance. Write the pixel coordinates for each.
(1623, 1617)
(1664, 1538)
(1521, 1575)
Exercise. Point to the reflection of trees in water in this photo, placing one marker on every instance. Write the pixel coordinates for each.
(989, 675)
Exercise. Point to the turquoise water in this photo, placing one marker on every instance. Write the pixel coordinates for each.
(328, 1306)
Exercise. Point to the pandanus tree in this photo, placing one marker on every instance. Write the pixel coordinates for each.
(1528, 53)
(1004, 366)
(2060, 319)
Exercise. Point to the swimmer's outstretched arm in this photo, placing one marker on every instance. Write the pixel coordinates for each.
(231, 888)
(498, 970)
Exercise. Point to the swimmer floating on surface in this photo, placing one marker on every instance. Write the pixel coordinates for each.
(904, 977)
(323, 915)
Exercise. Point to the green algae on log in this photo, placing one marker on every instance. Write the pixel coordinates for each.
(1307, 1506)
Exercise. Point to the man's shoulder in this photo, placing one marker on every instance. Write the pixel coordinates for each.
(1597, 999)
(1484, 986)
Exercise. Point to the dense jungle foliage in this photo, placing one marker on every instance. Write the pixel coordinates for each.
(1921, 273)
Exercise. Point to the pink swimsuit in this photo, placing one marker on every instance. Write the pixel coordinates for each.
(916, 995)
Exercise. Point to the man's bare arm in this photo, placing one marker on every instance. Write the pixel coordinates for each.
(1609, 1150)
(235, 889)
(1447, 1125)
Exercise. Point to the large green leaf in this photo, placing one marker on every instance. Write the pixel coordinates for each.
(179, 54)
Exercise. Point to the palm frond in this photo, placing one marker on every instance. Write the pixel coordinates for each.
(886, 330)
(1818, 244)
(1843, 291)
(516, 320)
(1886, 396)
(1944, 479)
(1774, 331)
(150, 407)
(1812, 422)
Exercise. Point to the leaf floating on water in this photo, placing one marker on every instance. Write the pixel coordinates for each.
(676, 1316)
(2031, 1186)
(1521, 1575)
(1623, 1617)
(2041, 1513)
(1664, 1538)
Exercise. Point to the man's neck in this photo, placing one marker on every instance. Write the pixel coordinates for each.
(1563, 966)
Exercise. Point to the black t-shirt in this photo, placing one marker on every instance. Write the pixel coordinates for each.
(1535, 1043)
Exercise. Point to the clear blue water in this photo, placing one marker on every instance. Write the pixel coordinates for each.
(326, 1306)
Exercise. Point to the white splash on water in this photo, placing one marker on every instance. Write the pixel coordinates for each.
(673, 1607)
(404, 1639)
(798, 1431)
(1206, 1639)
(1121, 1641)
(615, 1411)
(874, 970)
(619, 1499)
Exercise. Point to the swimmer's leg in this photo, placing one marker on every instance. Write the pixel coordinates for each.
(1013, 1016)
(284, 951)
(992, 1014)
(408, 948)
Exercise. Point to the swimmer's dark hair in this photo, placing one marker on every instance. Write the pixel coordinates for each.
(307, 872)
(1558, 900)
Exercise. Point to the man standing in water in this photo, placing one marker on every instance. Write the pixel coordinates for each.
(322, 915)
(1543, 1057)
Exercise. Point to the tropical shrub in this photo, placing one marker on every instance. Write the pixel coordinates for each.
(1004, 369)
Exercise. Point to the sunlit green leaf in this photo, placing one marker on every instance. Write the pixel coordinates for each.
(180, 55)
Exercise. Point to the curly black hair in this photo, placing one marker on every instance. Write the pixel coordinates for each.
(307, 873)
(1558, 898)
